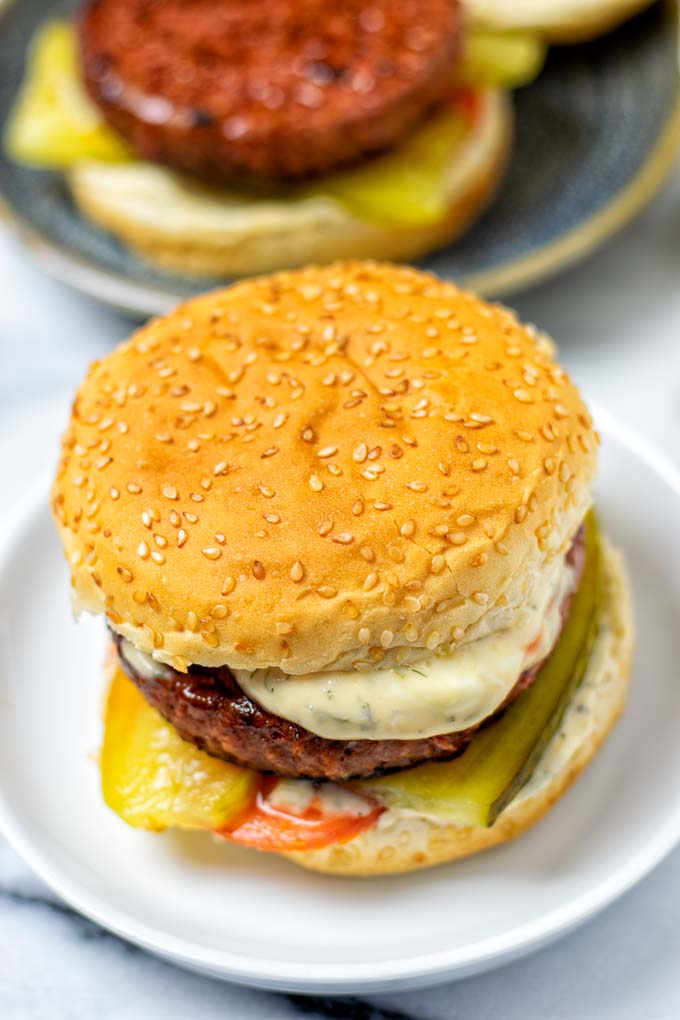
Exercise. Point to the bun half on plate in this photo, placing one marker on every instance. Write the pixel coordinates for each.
(559, 21)
(339, 522)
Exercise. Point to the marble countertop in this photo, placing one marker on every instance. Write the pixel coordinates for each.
(616, 319)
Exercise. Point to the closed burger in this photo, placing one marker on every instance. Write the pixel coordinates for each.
(340, 524)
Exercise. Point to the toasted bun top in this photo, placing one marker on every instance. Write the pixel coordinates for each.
(342, 466)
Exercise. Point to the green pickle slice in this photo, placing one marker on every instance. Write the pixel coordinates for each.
(504, 60)
(474, 788)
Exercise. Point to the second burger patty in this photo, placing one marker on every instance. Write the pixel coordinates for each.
(209, 709)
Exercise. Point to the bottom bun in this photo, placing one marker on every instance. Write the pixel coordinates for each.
(558, 21)
(184, 227)
(403, 841)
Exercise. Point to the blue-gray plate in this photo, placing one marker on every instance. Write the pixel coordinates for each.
(595, 136)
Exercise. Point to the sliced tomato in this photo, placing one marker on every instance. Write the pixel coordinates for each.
(272, 825)
(468, 103)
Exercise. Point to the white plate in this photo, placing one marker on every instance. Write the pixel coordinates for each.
(259, 920)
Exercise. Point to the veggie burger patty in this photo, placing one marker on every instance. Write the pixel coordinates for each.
(208, 708)
(325, 84)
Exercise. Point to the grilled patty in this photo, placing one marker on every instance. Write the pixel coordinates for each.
(237, 89)
(208, 708)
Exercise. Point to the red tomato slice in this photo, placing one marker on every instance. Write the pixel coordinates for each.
(468, 103)
(267, 827)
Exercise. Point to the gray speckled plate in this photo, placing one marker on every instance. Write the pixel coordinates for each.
(596, 134)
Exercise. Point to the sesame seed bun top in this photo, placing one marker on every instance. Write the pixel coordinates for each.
(344, 466)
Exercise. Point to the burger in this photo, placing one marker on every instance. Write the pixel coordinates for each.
(225, 137)
(340, 524)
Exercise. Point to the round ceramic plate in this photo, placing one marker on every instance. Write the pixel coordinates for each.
(258, 919)
(596, 134)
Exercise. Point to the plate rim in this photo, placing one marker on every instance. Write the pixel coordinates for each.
(363, 977)
(540, 263)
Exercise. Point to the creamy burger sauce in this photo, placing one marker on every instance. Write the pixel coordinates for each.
(441, 694)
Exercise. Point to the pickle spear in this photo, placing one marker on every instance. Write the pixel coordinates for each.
(153, 779)
(474, 788)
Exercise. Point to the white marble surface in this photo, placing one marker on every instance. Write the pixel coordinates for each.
(617, 321)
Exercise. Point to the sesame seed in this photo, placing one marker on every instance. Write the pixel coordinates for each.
(221, 468)
(133, 488)
(212, 552)
(408, 528)
(520, 513)
(358, 508)
(364, 635)
(327, 451)
(437, 564)
(367, 553)
(114, 493)
(170, 492)
(258, 570)
(457, 538)
(158, 558)
(412, 603)
(560, 411)
(386, 638)
(343, 538)
(143, 551)
(479, 464)
(192, 621)
(360, 453)
(411, 632)
(370, 581)
(315, 483)
(266, 491)
(480, 597)
(326, 592)
(297, 571)
(381, 505)
(325, 526)
(182, 537)
(125, 573)
(160, 541)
